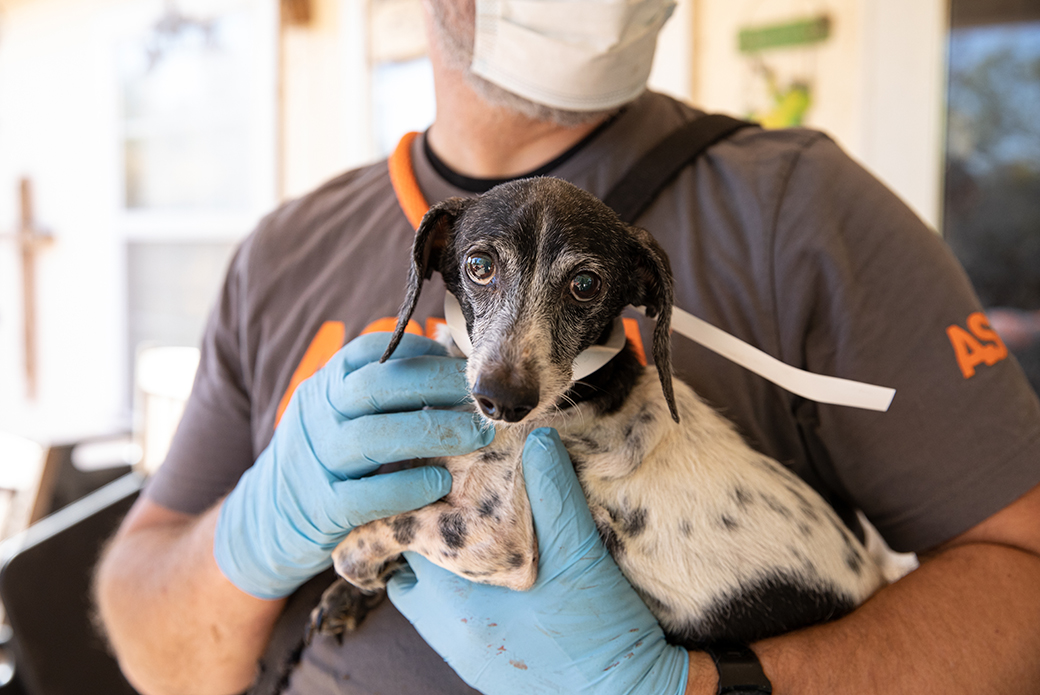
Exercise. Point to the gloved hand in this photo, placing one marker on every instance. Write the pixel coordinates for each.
(580, 629)
(306, 491)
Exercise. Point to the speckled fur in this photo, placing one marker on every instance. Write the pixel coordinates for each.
(720, 541)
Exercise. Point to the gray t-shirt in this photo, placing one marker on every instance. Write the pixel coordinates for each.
(776, 237)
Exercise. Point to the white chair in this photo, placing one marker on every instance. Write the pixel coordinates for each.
(21, 477)
(163, 377)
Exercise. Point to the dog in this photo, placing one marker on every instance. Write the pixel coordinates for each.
(722, 543)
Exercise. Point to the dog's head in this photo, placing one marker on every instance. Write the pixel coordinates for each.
(541, 269)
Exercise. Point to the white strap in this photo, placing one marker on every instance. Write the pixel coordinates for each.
(815, 387)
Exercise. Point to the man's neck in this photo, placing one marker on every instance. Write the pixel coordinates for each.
(480, 140)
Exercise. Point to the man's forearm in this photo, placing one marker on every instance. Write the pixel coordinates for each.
(966, 621)
(176, 623)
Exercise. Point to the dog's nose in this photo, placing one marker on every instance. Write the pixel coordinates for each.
(508, 399)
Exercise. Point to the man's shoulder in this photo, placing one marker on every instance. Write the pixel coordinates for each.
(763, 149)
(329, 214)
(668, 112)
(347, 195)
(749, 155)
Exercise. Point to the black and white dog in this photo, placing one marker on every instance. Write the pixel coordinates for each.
(720, 541)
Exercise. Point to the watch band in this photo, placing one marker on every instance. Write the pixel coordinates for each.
(739, 670)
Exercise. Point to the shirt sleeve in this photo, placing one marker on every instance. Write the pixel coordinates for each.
(212, 445)
(865, 291)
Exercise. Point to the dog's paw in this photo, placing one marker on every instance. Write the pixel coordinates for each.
(342, 608)
(363, 561)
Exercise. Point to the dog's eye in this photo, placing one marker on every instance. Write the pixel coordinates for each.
(481, 268)
(585, 287)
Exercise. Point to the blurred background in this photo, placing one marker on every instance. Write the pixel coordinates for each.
(141, 140)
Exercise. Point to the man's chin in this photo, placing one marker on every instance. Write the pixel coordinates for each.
(496, 96)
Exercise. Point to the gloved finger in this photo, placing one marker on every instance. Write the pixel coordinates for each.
(381, 496)
(402, 583)
(406, 585)
(360, 446)
(562, 520)
(370, 347)
(403, 586)
(401, 384)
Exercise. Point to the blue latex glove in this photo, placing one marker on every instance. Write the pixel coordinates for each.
(306, 491)
(580, 629)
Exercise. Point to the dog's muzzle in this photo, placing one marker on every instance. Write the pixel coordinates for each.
(590, 360)
(506, 394)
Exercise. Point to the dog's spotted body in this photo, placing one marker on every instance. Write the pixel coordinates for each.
(721, 542)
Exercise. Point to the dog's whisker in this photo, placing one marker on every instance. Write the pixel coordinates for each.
(574, 405)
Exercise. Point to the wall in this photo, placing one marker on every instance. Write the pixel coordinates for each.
(57, 126)
(324, 70)
(61, 125)
(902, 106)
(673, 68)
(878, 80)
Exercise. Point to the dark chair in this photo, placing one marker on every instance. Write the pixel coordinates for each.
(62, 482)
(45, 582)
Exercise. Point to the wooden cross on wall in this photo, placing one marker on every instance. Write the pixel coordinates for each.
(30, 240)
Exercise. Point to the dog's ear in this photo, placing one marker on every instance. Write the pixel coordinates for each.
(656, 291)
(433, 235)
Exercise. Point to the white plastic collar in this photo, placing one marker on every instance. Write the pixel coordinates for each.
(815, 387)
(586, 363)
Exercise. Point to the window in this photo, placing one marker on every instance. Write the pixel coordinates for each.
(402, 79)
(189, 110)
(992, 190)
(198, 98)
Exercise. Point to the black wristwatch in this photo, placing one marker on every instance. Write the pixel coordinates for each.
(740, 672)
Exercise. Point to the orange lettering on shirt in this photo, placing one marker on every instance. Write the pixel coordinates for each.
(979, 325)
(388, 324)
(636, 338)
(981, 346)
(326, 342)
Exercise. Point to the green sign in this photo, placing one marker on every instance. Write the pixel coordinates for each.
(800, 33)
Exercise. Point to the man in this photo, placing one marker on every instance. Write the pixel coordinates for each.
(775, 237)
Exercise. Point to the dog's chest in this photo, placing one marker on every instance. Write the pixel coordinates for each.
(700, 523)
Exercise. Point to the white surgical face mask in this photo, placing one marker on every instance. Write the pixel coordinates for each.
(579, 55)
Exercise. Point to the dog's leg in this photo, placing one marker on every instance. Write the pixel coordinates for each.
(485, 541)
(481, 530)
